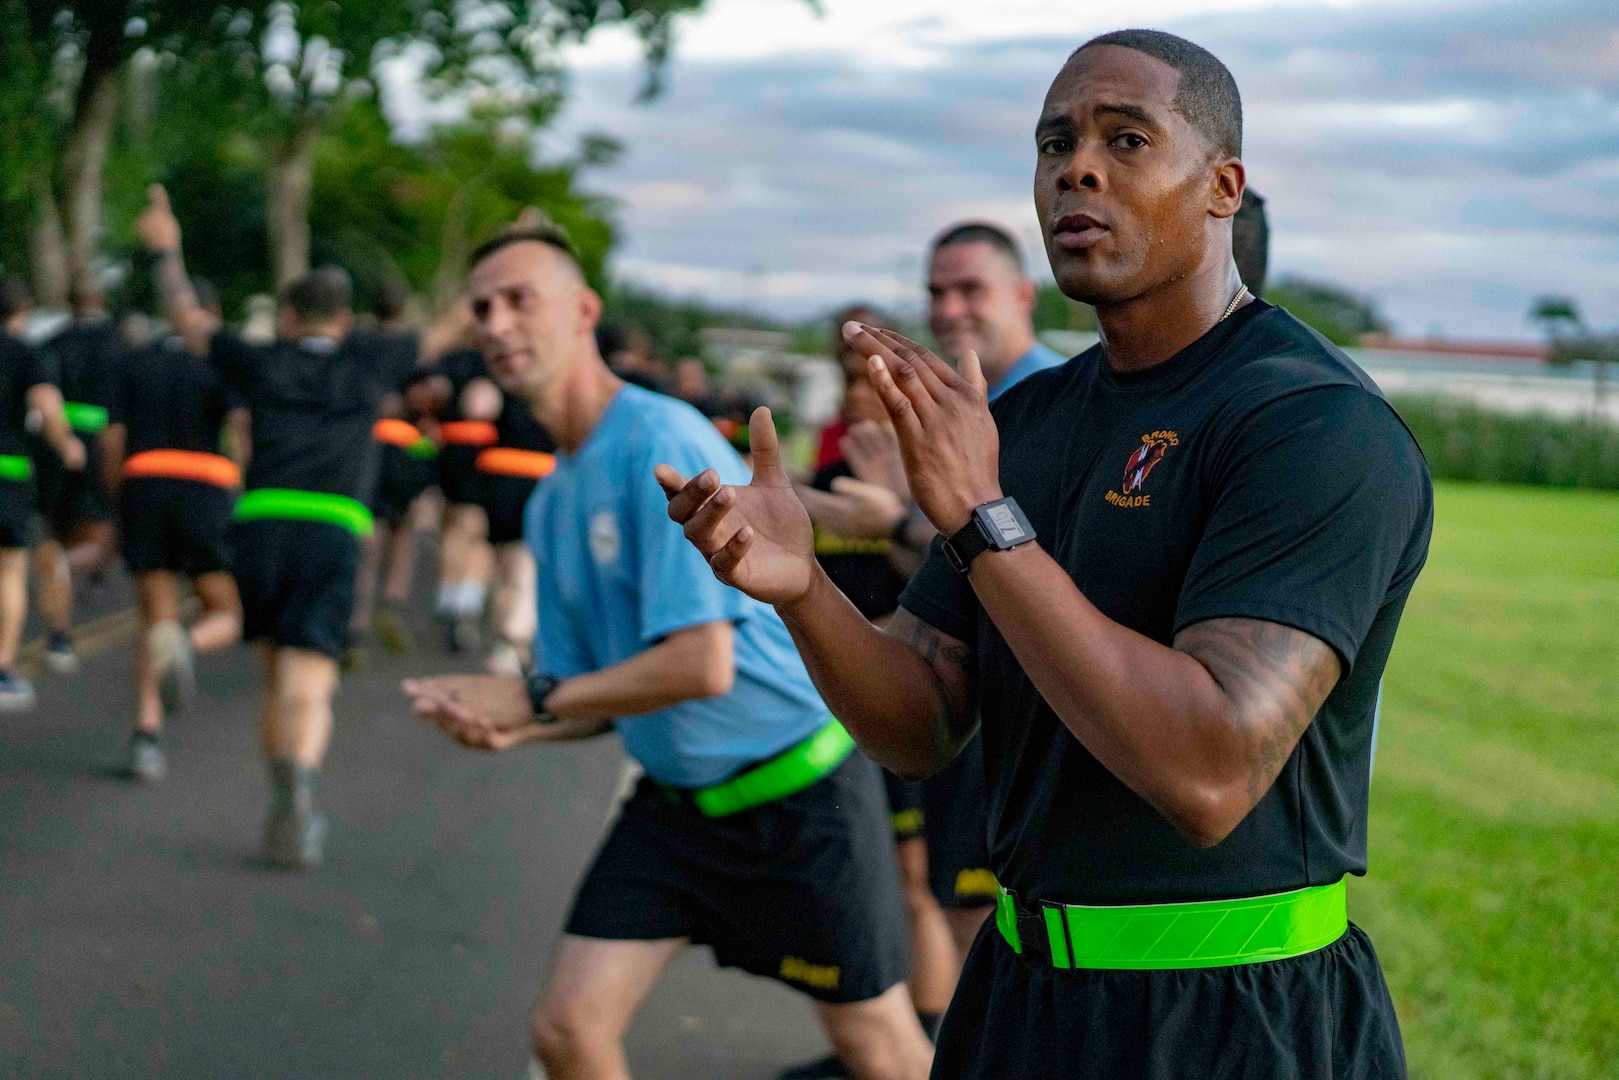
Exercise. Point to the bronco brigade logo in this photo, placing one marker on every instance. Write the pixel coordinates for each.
(1151, 451)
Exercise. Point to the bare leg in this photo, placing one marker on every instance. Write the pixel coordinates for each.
(964, 926)
(515, 612)
(157, 595)
(401, 561)
(878, 1039)
(297, 718)
(365, 584)
(596, 986)
(936, 967)
(55, 586)
(91, 546)
(13, 603)
(221, 621)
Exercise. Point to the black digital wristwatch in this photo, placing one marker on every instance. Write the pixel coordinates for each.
(539, 688)
(994, 526)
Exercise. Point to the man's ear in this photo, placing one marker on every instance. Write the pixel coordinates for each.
(590, 309)
(1230, 179)
(1028, 294)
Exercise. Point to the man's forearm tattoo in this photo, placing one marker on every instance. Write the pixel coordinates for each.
(1275, 677)
(951, 662)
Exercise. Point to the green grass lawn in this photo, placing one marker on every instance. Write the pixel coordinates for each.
(1493, 892)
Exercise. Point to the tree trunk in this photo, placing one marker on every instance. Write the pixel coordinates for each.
(47, 248)
(291, 180)
(84, 160)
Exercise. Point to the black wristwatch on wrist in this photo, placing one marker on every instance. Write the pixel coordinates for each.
(539, 688)
(994, 526)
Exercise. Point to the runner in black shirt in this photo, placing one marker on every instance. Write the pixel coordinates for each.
(175, 441)
(465, 429)
(313, 399)
(1178, 677)
(79, 534)
(25, 386)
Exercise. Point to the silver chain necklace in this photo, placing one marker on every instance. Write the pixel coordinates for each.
(1231, 307)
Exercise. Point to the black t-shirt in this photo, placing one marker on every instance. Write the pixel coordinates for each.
(21, 367)
(169, 399)
(313, 404)
(859, 568)
(1259, 474)
(88, 356)
(516, 423)
(460, 367)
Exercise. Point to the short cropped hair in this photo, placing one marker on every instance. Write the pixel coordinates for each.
(1207, 95)
(982, 232)
(1250, 241)
(15, 296)
(551, 235)
(324, 293)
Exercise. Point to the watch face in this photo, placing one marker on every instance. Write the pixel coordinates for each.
(1005, 524)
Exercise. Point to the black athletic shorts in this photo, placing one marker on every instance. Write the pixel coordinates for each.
(1324, 1014)
(19, 518)
(504, 499)
(458, 475)
(178, 525)
(297, 583)
(905, 813)
(70, 497)
(400, 481)
(955, 821)
(803, 890)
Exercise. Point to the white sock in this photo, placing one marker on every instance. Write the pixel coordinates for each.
(446, 598)
(469, 598)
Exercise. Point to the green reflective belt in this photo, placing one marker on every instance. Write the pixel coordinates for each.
(422, 449)
(1209, 933)
(16, 467)
(288, 504)
(86, 418)
(785, 774)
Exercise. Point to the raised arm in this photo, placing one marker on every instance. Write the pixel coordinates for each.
(159, 231)
(905, 694)
(1199, 729)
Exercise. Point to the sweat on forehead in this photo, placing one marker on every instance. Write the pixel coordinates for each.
(1206, 95)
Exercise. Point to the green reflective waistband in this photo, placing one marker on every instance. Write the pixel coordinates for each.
(86, 418)
(786, 774)
(422, 449)
(1209, 933)
(16, 467)
(289, 504)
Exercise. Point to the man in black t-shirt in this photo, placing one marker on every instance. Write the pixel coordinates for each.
(313, 398)
(1171, 578)
(26, 386)
(174, 444)
(79, 535)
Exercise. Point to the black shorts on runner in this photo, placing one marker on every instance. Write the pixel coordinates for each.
(1323, 1014)
(955, 821)
(20, 525)
(803, 890)
(504, 499)
(905, 813)
(458, 475)
(70, 497)
(178, 525)
(400, 481)
(297, 583)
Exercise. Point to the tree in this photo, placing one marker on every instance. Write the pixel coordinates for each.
(1055, 311)
(1559, 316)
(1335, 313)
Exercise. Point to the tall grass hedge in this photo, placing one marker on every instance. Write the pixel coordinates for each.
(1465, 442)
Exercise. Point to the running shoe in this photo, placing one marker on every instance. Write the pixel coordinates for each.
(147, 762)
(295, 832)
(168, 648)
(16, 692)
(830, 1067)
(393, 632)
(60, 656)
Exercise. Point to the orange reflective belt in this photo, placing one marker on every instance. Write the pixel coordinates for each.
(469, 433)
(398, 433)
(508, 461)
(184, 465)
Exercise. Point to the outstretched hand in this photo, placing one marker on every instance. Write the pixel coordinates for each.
(756, 538)
(157, 226)
(485, 712)
(947, 437)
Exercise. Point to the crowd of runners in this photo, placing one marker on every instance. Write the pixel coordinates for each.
(1045, 697)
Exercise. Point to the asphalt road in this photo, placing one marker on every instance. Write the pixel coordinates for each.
(139, 937)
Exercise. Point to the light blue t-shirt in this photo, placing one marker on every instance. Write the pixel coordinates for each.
(1038, 358)
(616, 576)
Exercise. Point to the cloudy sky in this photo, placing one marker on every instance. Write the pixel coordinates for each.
(1451, 159)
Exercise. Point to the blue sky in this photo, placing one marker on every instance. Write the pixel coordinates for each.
(1450, 159)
